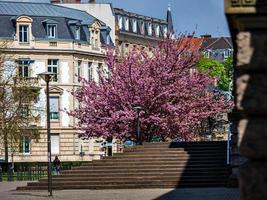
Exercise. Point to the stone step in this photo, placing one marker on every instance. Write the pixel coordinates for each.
(152, 162)
(148, 166)
(127, 186)
(138, 177)
(153, 165)
(112, 174)
(204, 156)
(165, 152)
(137, 181)
(88, 171)
(170, 159)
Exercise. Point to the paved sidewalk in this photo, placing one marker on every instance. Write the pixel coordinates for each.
(130, 194)
(7, 186)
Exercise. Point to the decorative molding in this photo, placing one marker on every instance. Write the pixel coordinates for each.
(245, 6)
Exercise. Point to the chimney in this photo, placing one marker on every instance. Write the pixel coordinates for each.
(65, 1)
(55, 1)
(206, 36)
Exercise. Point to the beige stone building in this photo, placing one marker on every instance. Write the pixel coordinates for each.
(46, 37)
(69, 39)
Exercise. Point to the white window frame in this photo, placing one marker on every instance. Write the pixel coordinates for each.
(78, 33)
(22, 66)
(142, 27)
(165, 31)
(51, 30)
(24, 33)
(90, 71)
(24, 139)
(134, 25)
(126, 23)
(157, 30)
(53, 68)
(55, 150)
(51, 114)
(120, 21)
(149, 28)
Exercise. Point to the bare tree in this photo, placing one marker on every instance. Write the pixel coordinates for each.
(18, 115)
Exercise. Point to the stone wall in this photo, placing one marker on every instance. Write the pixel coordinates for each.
(247, 20)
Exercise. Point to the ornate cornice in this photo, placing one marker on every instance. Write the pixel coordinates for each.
(245, 6)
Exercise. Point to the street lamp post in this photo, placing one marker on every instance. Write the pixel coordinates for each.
(138, 109)
(47, 76)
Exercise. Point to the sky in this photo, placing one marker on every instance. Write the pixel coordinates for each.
(201, 16)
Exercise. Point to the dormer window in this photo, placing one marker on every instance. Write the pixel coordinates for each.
(134, 26)
(142, 27)
(24, 33)
(149, 29)
(120, 21)
(157, 30)
(165, 31)
(78, 33)
(126, 23)
(51, 30)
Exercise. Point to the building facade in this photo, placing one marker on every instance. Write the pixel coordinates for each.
(218, 48)
(46, 37)
(139, 31)
(69, 38)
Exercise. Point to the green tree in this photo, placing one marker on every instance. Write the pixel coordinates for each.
(223, 72)
(18, 117)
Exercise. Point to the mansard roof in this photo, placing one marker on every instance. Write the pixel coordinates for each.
(66, 20)
(43, 10)
(119, 11)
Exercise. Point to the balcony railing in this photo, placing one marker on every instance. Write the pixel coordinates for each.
(27, 81)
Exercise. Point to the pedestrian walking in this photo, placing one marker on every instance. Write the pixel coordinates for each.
(56, 164)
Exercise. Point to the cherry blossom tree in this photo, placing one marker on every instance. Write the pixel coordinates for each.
(174, 98)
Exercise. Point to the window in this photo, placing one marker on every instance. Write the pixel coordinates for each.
(100, 66)
(51, 30)
(96, 43)
(157, 30)
(142, 27)
(165, 31)
(55, 144)
(24, 69)
(25, 145)
(24, 110)
(134, 26)
(92, 38)
(90, 71)
(24, 33)
(53, 67)
(149, 28)
(78, 33)
(54, 108)
(126, 23)
(120, 21)
(227, 53)
(79, 69)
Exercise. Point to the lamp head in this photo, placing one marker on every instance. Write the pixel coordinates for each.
(47, 76)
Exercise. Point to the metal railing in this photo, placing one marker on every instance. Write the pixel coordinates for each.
(23, 173)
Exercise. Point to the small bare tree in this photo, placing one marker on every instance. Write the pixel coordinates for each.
(18, 117)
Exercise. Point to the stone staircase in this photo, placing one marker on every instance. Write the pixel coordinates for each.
(153, 165)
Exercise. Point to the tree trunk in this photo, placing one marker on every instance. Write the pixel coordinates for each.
(6, 147)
